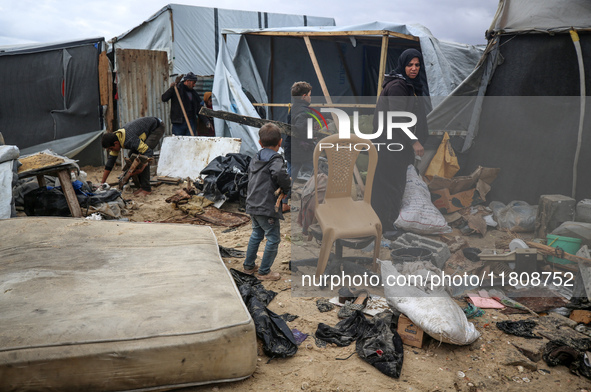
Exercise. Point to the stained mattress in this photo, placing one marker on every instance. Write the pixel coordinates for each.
(112, 306)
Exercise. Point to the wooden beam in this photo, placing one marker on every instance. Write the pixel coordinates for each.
(358, 178)
(321, 105)
(318, 73)
(383, 60)
(69, 193)
(245, 120)
(334, 34)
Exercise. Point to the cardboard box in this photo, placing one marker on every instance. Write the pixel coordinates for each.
(453, 194)
(410, 333)
(447, 203)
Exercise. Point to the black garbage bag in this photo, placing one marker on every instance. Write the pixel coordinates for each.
(278, 340)
(226, 176)
(346, 331)
(52, 202)
(257, 288)
(381, 347)
(522, 328)
(46, 202)
(571, 354)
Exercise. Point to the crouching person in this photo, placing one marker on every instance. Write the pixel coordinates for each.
(139, 136)
(267, 173)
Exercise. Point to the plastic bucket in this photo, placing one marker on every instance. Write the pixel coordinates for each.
(567, 244)
(403, 255)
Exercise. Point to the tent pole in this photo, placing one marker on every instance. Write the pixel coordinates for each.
(577, 43)
(318, 72)
(383, 58)
(358, 178)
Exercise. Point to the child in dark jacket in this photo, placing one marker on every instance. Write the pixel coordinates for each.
(267, 172)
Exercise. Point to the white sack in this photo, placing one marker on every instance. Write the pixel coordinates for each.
(437, 314)
(417, 213)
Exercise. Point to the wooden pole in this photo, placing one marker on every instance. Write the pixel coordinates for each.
(550, 251)
(358, 178)
(383, 59)
(245, 120)
(176, 90)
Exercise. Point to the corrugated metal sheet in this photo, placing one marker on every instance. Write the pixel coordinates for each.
(142, 78)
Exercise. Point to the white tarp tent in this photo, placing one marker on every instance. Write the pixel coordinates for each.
(268, 61)
(192, 35)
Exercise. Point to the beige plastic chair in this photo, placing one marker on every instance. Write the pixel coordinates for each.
(341, 217)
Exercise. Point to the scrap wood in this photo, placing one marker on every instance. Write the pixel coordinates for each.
(219, 217)
(550, 251)
(169, 180)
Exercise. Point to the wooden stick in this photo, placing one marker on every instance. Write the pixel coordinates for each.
(246, 120)
(176, 90)
(383, 59)
(550, 251)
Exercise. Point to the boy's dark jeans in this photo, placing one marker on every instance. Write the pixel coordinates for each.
(263, 227)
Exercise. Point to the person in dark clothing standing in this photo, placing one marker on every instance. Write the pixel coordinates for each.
(191, 102)
(267, 173)
(299, 150)
(401, 91)
(139, 136)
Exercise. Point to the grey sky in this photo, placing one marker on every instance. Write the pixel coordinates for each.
(26, 21)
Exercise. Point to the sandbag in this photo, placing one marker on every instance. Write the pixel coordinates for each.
(435, 313)
(417, 213)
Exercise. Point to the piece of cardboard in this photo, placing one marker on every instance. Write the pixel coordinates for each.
(411, 334)
(447, 203)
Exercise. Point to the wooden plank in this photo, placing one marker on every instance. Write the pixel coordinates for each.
(383, 59)
(41, 180)
(319, 74)
(316, 105)
(356, 173)
(334, 33)
(549, 251)
(66, 183)
(106, 90)
(245, 120)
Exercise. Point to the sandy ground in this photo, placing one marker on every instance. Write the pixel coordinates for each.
(481, 366)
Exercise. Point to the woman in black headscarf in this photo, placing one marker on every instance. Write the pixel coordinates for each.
(401, 88)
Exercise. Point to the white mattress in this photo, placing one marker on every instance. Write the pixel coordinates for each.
(110, 306)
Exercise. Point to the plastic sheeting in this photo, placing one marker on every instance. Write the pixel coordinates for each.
(530, 54)
(541, 15)
(197, 33)
(350, 67)
(55, 96)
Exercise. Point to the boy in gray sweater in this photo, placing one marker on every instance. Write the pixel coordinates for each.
(267, 172)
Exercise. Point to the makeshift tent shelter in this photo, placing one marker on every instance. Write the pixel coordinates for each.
(52, 96)
(523, 109)
(341, 62)
(176, 40)
(191, 35)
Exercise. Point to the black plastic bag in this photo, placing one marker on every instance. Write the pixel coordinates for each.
(522, 328)
(257, 288)
(377, 341)
(226, 176)
(381, 347)
(52, 202)
(46, 202)
(345, 332)
(570, 353)
(278, 340)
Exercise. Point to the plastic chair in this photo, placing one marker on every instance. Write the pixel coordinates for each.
(341, 217)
